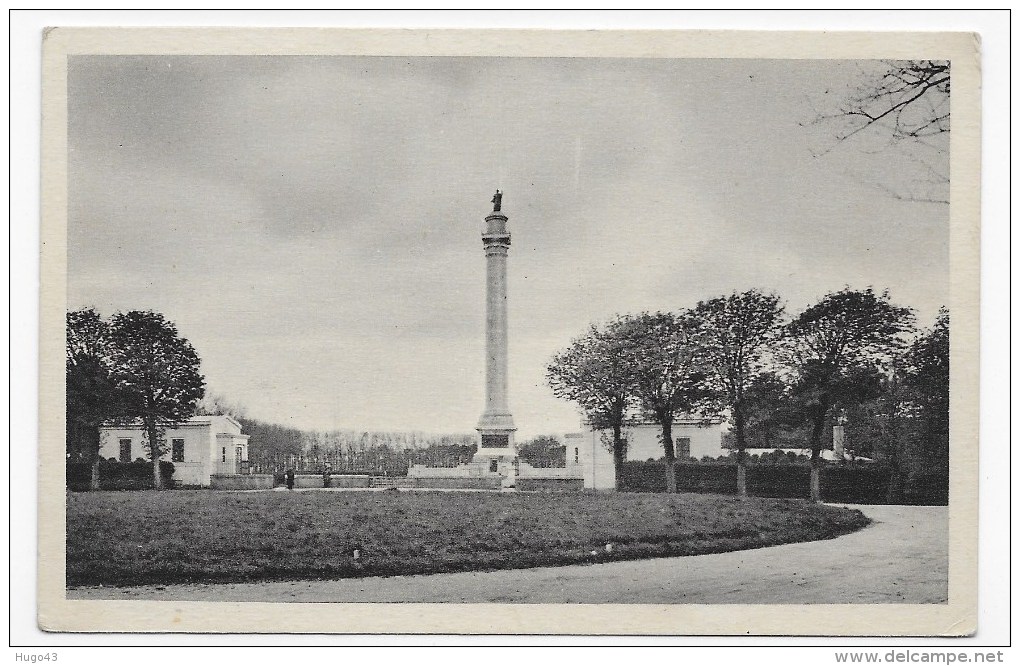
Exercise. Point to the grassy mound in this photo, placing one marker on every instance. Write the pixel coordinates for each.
(133, 538)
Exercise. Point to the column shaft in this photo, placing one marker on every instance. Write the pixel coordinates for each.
(496, 332)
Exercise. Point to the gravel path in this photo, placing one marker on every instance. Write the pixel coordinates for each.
(902, 557)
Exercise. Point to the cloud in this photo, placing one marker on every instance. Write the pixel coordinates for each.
(313, 223)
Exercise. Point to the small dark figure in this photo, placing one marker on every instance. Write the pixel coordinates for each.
(290, 479)
(497, 201)
(327, 472)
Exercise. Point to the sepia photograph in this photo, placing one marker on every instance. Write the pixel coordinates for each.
(429, 320)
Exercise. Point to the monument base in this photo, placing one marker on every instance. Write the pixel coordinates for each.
(497, 450)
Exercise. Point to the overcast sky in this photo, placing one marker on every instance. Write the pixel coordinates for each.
(312, 224)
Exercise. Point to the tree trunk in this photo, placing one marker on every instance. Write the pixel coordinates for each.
(667, 445)
(94, 478)
(741, 475)
(738, 425)
(94, 445)
(618, 454)
(154, 454)
(816, 479)
(816, 453)
(894, 493)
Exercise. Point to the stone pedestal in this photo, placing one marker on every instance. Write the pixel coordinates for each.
(838, 442)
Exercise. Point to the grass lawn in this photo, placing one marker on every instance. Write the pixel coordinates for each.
(130, 538)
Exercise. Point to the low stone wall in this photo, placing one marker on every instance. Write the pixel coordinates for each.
(350, 481)
(394, 482)
(335, 481)
(481, 469)
(571, 471)
(477, 475)
(550, 484)
(308, 481)
(241, 481)
(462, 483)
(471, 470)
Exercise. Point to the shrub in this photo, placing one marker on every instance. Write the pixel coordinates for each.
(698, 478)
(779, 481)
(642, 477)
(849, 483)
(117, 475)
(856, 484)
(929, 488)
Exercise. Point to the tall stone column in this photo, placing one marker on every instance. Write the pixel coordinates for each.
(496, 425)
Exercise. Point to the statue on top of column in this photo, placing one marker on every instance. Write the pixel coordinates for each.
(497, 200)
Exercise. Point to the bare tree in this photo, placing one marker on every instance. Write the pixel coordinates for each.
(910, 99)
(901, 108)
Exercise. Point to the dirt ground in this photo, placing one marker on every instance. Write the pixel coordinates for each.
(902, 557)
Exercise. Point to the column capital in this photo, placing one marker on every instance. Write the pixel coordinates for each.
(496, 243)
(495, 225)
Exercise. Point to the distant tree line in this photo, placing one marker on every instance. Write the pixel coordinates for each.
(275, 448)
(131, 369)
(779, 381)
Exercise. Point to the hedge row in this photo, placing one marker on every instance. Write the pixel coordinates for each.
(850, 484)
(117, 475)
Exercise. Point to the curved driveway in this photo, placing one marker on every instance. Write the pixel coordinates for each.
(902, 557)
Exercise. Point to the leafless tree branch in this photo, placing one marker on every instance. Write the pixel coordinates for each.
(913, 95)
(907, 103)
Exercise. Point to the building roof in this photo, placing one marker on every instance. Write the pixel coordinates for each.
(194, 421)
(686, 419)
